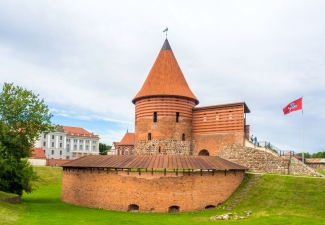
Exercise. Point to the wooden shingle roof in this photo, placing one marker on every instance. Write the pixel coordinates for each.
(154, 162)
(165, 78)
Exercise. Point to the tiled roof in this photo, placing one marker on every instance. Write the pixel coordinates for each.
(38, 153)
(128, 139)
(246, 109)
(315, 160)
(154, 162)
(165, 78)
(75, 130)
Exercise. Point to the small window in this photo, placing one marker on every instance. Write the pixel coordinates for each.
(149, 136)
(68, 148)
(126, 152)
(75, 147)
(52, 152)
(80, 147)
(52, 136)
(60, 145)
(68, 157)
(87, 147)
(183, 137)
(52, 144)
(155, 117)
(61, 138)
(60, 152)
(94, 148)
(44, 151)
(44, 135)
(79, 154)
(74, 154)
(44, 143)
(132, 152)
(177, 117)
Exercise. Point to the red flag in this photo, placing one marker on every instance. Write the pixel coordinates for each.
(293, 106)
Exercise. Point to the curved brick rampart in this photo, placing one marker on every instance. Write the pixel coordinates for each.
(258, 160)
(157, 192)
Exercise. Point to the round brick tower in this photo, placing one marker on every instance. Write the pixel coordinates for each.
(163, 109)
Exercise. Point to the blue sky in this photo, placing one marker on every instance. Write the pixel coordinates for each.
(88, 59)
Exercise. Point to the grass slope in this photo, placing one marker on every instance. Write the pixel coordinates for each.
(274, 199)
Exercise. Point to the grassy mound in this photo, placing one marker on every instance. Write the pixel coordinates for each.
(273, 199)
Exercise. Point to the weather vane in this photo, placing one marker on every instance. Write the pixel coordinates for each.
(166, 31)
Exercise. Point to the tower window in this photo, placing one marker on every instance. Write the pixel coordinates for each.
(149, 136)
(177, 117)
(183, 137)
(155, 117)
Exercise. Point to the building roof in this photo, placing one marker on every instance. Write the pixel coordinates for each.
(246, 109)
(75, 130)
(315, 160)
(165, 78)
(128, 139)
(38, 153)
(154, 162)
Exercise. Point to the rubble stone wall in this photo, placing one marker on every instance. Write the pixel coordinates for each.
(264, 160)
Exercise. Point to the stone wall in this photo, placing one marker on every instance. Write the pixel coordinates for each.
(169, 147)
(266, 161)
(13, 200)
(152, 193)
(214, 142)
(317, 166)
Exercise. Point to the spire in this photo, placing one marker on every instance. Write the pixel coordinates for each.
(166, 45)
(165, 78)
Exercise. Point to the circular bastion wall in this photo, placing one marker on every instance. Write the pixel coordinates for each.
(148, 191)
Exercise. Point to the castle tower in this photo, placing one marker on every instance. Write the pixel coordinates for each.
(163, 109)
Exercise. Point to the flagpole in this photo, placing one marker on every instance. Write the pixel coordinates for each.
(302, 112)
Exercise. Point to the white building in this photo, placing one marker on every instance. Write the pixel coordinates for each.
(68, 143)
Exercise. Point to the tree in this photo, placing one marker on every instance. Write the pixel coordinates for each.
(23, 117)
(103, 148)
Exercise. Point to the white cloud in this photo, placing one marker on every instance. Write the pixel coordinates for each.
(89, 59)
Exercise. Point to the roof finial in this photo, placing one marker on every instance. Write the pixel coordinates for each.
(166, 31)
(127, 130)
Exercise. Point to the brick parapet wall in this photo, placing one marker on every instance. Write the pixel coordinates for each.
(266, 161)
(157, 192)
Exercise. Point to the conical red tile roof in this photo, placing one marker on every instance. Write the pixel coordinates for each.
(165, 78)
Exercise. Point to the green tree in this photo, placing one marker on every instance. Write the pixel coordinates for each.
(23, 116)
(103, 148)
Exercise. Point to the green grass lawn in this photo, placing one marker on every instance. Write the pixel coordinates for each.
(274, 199)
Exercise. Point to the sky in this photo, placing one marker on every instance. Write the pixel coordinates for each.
(88, 59)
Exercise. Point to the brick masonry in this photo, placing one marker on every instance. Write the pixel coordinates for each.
(214, 142)
(264, 161)
(152, 193)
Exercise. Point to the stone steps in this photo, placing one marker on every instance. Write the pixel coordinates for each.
(239, 197)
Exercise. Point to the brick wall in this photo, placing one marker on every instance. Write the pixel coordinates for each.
(214, 142)
(108, 190)
(265, 160)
